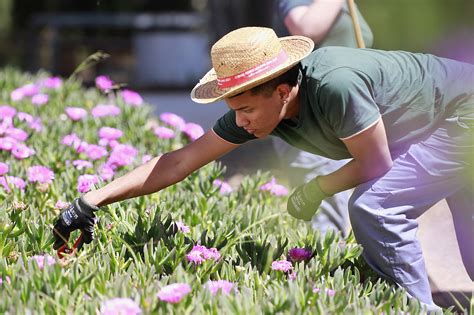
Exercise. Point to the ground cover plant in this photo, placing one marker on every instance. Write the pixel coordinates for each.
(198, 247)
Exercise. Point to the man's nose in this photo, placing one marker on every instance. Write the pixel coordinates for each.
(240, 120)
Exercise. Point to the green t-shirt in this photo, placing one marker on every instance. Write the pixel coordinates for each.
(344, 91)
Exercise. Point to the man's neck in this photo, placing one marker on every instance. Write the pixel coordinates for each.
(293, 103)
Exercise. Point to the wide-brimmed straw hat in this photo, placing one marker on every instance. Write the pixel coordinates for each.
(247, 57)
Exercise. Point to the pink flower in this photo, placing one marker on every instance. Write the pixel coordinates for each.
(174, 293)
(299, 254)
(17, 95)
(199, 254)
(225, 188)
(3, 168)
(106, 172)
(40, 174)
(52, 83)
(110, 133)
(43, 260)
(282, 265)
(223, 285)
(17, 134)
(173, 120)
(71, 140)
(146, 158)
(163, 133)
(328, 291)
(76, 113)
(103, 83)
(102, 110)
(25, 117)
(12, 181)
(85, 182)
(182, 227)
(7, 143)
(274, 188)
(292, 276)
(40, 99)
(36, 124)
(81, 164)
(122, 155)
(132, 98)
(193, 131)
(95, 152)
(7, 280)
(120, 306)
(61, 205)
(7, 112)
(30, 89)
(21, 151)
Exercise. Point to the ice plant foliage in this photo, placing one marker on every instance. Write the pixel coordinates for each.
(120, 306)
(174, 293)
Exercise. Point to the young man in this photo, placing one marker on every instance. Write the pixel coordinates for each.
(404, 119)
(327, 23)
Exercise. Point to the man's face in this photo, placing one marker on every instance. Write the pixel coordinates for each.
(258, 114)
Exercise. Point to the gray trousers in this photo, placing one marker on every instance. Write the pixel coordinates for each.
(383, 211)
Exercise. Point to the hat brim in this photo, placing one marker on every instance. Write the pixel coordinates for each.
(207, 90)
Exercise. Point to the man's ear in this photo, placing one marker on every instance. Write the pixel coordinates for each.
(283, 91)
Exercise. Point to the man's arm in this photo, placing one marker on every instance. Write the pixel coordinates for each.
(371, 159)
(162, 171)
(314, 20)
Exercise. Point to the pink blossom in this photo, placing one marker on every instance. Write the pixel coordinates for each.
(225, 188)
(110, 133)
(3, 168)
(7, 111)
(146, 158)
(299, 254)
(174, 293)
(328, 291)
(292, 276)
(40, 99)
(40, 174)
(103, 83)
(95, 152)
(11, 181)
(223, 285)
(81, 164)
(7, 280)
(52, 83)
(25, 117)
(85, 182)
(274, 188)
(7, 143)
(193, 131)
(17, 134)
(61, 205)
(199, 254)
(76, 113)
(43, 260)
(173, 120)
(131, 98)
(106, 172)
(36, 124)
(120, 306)
(30, 89)
(163, 133)
(122, 155)
(21, 151)
(71, 140)
(17, 95)
(102, 110)
(182, 227)
(282, 265)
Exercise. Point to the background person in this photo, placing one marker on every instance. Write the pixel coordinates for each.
(327, 23)
(404, 119)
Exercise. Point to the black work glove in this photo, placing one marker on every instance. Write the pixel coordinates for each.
(78, 216)
(305, 200)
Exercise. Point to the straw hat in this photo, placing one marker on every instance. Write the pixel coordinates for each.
(247, 57)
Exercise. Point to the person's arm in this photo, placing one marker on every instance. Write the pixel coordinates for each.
(371, 159)
(162, 171)
(314, 20)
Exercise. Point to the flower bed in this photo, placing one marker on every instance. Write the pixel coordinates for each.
(200, 246)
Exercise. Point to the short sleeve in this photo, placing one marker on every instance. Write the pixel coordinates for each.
(227, 129)
(347, 102)
(285, 6)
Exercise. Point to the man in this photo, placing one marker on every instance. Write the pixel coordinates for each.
(327, 23)
(404, 119)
